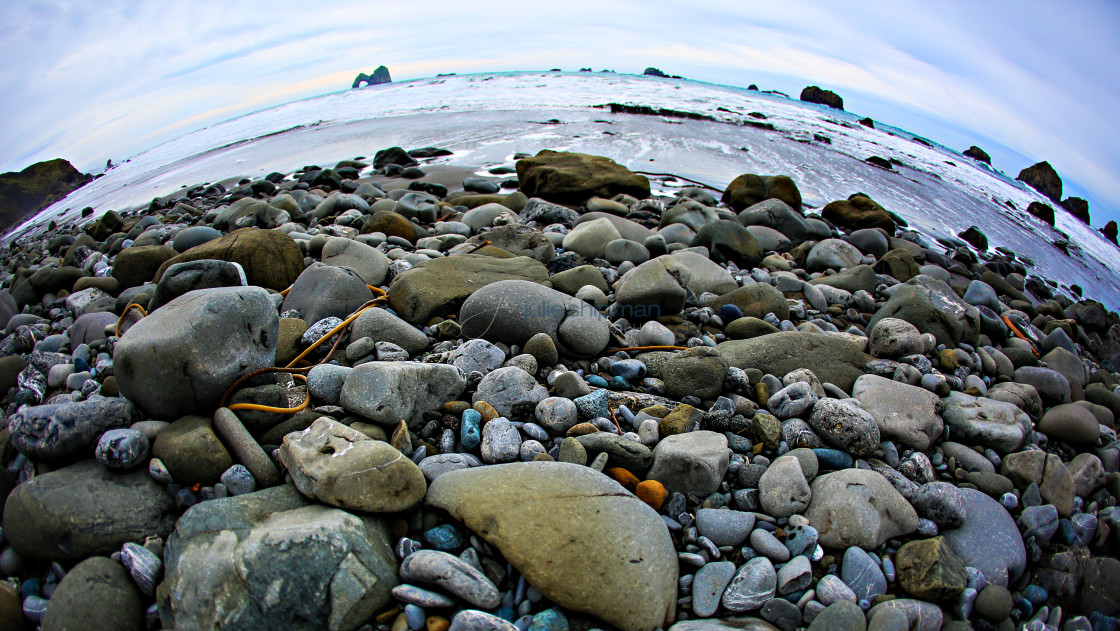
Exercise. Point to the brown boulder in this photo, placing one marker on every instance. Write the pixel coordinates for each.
(749, 189)
(270, 259)
(562, 176)
(858, 211)
(392, 224)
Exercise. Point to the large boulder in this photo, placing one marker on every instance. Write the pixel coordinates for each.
(85, 509)
(693, 463)
(729, 241)
(590, 238)
(439, 286)
(181, 359)
(776, 214)
(324, 291)
(703, 274)
(345, 468)
(989, 539)
(750, 189)
(834, 359)
(65, 430)
(856, 507)
(189, 276)
(753, 300)
(389, 392)
(574, 177)
(814, 94)
(512, 311)
(932, 306)
(367, 262)
(857, 212)
(273, 560)
(653, 289)
(1043, 178)
(135, 266)
(904, 413)
(250, 213)
(579, 538)
(991, 423)
(96, 584)
(270, 259)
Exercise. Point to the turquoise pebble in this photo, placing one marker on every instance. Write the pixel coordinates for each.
(506, 613)
(1035, 595)
(597, 381)
(618, 383)
(593, 405)
(470, 429)
(549, 620)
(833, 459)
(444, 538)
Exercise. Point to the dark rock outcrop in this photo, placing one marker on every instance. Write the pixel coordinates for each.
(1078, 208)
(978, 154)
(377, 77)
(1043, 178)
(27, 192)
(1109, 231)
(813, 94)
(1042, 211)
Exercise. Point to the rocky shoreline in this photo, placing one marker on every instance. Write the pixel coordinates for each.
(544, 398)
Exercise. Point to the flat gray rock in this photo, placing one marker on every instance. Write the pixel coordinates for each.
(624, 570)
(512, 311)
(989, 539)
(904, 413)
(856, 507)
(389, 392)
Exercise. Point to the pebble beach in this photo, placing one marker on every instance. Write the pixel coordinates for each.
(385, 393)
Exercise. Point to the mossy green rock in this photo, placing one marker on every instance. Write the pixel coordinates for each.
(439, 286)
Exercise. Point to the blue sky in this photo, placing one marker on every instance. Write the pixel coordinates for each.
(1027, 80)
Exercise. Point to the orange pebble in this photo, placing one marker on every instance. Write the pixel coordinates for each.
(487, 411)
(628, 480)
(386, 617)
(652, 492)
(437, 623)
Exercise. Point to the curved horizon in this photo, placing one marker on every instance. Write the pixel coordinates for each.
(1026, 84)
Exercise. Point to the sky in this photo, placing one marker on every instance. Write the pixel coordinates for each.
(1027, 80)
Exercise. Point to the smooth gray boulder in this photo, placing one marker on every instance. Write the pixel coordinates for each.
(991, 423)
(380, 325)
(835, 359)
(856, 507)
(512, 311)
(63, 430)
(389, 392)
(933, 307)
(273, 560)
(989, 540)
(367, 262)
(652, 289)
(85, 509)
(904, 413)
(181, 359)
(324, 291)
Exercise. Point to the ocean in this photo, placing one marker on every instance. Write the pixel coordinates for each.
(485, 119)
